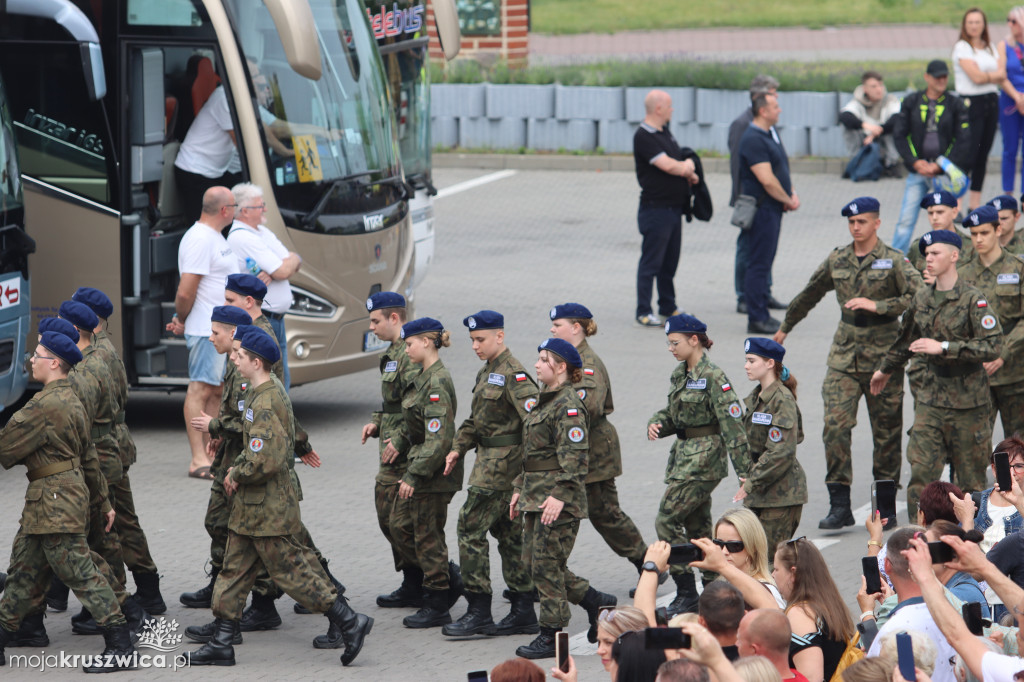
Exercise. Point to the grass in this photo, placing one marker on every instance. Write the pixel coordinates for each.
(609, 16)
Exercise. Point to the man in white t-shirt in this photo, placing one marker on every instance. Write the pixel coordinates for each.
(260, 252)
(204, 261)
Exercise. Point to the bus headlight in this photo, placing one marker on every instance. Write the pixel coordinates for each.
(310, 305)
(302, 350)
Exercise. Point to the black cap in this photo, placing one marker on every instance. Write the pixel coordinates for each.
(937, 68)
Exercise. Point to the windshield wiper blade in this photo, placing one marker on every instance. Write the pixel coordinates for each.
(309, 219)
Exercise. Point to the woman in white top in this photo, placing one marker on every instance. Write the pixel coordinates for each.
(740, 548)
(977, 75)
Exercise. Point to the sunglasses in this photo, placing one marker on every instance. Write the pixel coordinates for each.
(606, 614)
(731, 546)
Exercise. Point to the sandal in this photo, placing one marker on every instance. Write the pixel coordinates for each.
(201, 472)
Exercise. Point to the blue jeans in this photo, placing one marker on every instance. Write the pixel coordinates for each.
(1011, 125)
(662, 231)
(278, 326)
(740, 268)
(916, 187)
(763, 242)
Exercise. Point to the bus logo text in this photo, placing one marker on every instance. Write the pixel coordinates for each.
(373, 222)
(387, 24)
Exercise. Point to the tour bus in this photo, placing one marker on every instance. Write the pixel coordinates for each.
(98, 168)
(400, 27)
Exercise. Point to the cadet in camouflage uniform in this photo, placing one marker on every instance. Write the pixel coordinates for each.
(550, 492)
(265, 517)
(950, 325)
(998, 274)
(503, 396)
(942, 212)
(705, 416)
(1010, 238)
(776, 489)
(874, 285)
(50, 436)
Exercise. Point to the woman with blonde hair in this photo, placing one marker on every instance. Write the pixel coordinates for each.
(757, 669)
(873, 669)
(612, 623)
(740, 535)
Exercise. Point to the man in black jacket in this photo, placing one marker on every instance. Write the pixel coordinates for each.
(931, 123)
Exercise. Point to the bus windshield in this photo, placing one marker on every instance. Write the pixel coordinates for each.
(10, 176)
(409, 85)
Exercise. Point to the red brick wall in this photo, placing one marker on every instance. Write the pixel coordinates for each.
(511, 46)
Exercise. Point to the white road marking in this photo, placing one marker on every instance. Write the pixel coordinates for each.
(822, 543)
(475, 182)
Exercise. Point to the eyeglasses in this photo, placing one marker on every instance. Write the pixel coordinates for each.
(37, 356)
(257, 207)
(731, 546)
(230, 206)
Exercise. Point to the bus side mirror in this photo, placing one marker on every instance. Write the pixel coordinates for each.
(446, 18)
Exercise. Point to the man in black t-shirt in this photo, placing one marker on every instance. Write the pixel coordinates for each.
(665, 181)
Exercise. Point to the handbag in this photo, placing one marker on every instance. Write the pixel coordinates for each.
(744, 210)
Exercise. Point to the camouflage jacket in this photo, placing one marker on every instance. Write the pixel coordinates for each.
(504, 394)
(703, 397)
(1001, 285)
(961, 316)
(302, 445)
(397, 374)
(102, 429)
(595, 390)
(87, 388)
(1016, 243)
(266, 502)
(125, 442)
(429, 411)
(50, 429)
(884, 276)
(247, 396)
(555, 448)
(227, 425)
(774, 428)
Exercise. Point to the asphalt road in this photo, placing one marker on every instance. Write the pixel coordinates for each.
(518, 244)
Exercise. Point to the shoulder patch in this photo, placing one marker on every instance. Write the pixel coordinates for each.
(391, 366)
(520, 376)
(988, 322)
(735, 411)
(588, 371)
(435, 397)
(529, 404)
(496, 379)
(582, 393)
(572, 412)
(726, 387)
(1008, 278)
(434, 425)
(241, 405)
(697, 384)
(774, 434)
(982, 303)
(248, 414)
(576, 434)
(256, 444)
(761, 418)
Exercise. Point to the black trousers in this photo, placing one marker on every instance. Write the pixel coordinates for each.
(983, 117)
(192, 187)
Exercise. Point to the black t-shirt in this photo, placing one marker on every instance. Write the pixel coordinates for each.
(656, 186)
(732, 652)
(1008, 556)
(758, 146)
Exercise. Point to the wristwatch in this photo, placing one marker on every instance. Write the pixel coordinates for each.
(650, 566)
(945, 347)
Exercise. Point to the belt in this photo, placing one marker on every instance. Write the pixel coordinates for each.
(860, 319)
(100, 430)
(961, 370)
(119, 417)
(391, 408)
(542, 464)
(698, 431)
(501, 441)
(273, 316)
(51, 469)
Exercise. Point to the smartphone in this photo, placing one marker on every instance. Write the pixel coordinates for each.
(684, 554)
(883, 498)
(476, 676)
(1002, 462)
(868, 630)
(941, 552)
(972, 617)
(666, 638)
(562, 651)
(905, 653)
(872, 577)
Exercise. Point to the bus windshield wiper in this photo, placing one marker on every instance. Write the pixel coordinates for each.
(309, 219)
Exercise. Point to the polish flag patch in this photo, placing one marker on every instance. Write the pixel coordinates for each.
(726, 387)
(588, 371)
(435, 397)
(982, 303)
(520, 377)
(572, 412)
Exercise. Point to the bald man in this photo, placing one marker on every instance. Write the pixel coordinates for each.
(766, 632)
(665, 179)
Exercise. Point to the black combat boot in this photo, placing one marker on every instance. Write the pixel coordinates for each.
(354, 628)
(686, 594)
(456, 588)
(507, 595)
(521, 620)
(148, 593)
(31, 633)
(300, 609)
(476, 621)
(409, 593)
(135, 615)
(57, 595)
(5, 638)
(118, 652)
(592, 602)
(82, 623)
(434, 612)
(840, 514)
(543, 646)
(261, 614)
(201, 598)
(218, 651)
(205, 633)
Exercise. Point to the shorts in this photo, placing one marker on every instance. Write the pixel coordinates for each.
(205, 364)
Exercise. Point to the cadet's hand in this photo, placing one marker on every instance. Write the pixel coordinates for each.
(926, 346)
(780, 337)
(964, 509)
(550, 509)
(264, 277)
(993, 367)
(659, 553)
(390, 454)
(369, 431)
(866, 601)
(229, 483)
(176, 327)
(741, 493)
(449, 462)
(653, 430)
(212, 446)
(512, 511)
(202, 422)
(861, 303)
(405, 491)
(878, 382)
(110, 520)
(311, 459)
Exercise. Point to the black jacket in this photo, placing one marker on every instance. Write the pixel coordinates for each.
(698, 204)
(951, 117)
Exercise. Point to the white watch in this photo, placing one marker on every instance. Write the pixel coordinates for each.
(945, 347)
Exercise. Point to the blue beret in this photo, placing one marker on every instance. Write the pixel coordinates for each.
(684, 324)
(243, 329)
(766, 348)
(259, 342)
(79, 315)
(61, 346)
(98, 301)
(245, 284)
(485, 319)
(938, 198)
(230, 314)
(384, 299)
(1004, 202)
(939, 237)
(861, 205)
(423, 325)
(55, 324)
(570, 311)
(982, 215)
(562, 349)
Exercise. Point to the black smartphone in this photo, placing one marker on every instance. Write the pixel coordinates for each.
(868, 630)
(562, 651)
(972, 617)
(476, 676)
(1002, 462)
(941, 552)
(666, 638)
(685, 553)
(883, 498)
(872, 577)
(905, 654)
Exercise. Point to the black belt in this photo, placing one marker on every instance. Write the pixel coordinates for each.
(698, 431)
(501, 441)
(961, 370)
(51, 469)
(101, 430)
(274, 316)
(860, 319)
(391, 408)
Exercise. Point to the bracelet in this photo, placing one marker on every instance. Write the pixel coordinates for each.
(874, 543)
(867, 614)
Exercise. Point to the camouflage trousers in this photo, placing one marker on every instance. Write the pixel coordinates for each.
(294, 568)
(486, 511)
(266, 586)
(35, 559)
(608, 519)
(218, 511)
(1008, 401)
(422, 532)
(963, 437)
(107, 543)
(685, 513)
(391, 507)
(780, 524)
(842, 392)
(134, 546)
(546, 551)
